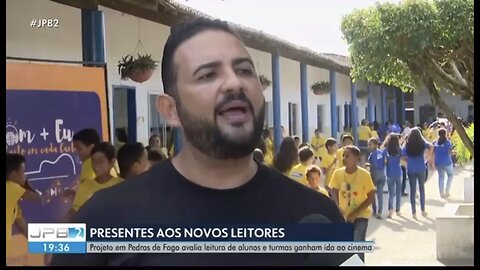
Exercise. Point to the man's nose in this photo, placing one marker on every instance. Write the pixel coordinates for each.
(232, 82)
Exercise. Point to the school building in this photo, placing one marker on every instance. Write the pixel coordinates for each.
(107, 30)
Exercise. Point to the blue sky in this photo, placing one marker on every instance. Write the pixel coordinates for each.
(314, 24)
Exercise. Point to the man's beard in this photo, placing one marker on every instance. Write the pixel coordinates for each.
(212, 141)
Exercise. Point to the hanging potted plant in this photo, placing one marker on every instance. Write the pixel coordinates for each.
(361, 94)
(137, 69)
(264, 81)
(321, 87)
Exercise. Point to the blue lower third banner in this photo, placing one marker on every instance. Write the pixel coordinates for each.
(271, 232)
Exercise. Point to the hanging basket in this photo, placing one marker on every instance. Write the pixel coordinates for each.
(321, 88)
(141, 75)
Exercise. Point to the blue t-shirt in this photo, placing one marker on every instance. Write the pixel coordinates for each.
(393, 165)
(415, 164)
(442, 155)
(376, 160)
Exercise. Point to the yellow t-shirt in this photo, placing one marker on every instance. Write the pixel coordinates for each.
(14, 194)
(298, 174)
(352, 190)
(340, 158)
(375, 134)
(87, 188)
(88, 173)
(323, 191)
(364, 133)
(432, 135)
(327, 160)
(316, 142)
(268, 156)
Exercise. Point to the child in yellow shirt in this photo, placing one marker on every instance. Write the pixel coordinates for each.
(306, 156)
(18, 188)
(354, 192)
(314, 174)
(329, 161)
(103, 160)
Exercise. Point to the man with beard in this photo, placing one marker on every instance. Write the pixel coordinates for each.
(213, 94)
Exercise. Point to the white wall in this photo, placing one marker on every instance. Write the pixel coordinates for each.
(62, 43)
(422, 97)
(121, 37)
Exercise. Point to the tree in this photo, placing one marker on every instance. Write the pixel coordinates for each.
(416, 44)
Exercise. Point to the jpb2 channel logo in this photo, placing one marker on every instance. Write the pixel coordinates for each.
(56, 238)
(56, 232)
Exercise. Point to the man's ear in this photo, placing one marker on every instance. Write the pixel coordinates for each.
(167, 108)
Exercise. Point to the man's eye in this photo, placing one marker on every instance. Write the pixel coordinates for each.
(245, 71)
(207, 76)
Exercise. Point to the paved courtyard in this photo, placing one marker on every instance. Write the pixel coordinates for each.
(405, 241)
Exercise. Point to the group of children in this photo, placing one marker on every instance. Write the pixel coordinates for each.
(355, 185)
(102, 167)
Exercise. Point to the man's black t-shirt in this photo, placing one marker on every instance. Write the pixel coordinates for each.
(163, 196)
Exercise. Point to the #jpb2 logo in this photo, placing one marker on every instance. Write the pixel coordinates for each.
(56, 237)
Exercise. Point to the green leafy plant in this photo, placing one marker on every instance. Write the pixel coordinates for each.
(321, 87)
(129, 64)
(462, 152)
(264, 81)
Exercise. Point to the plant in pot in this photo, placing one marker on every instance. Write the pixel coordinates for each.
(321, 87)
(264, 81)
(464, 156)
(137, 69)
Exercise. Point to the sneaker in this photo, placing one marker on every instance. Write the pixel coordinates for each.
(424, 213)
(447, 195)
(399, 213)
(442, 196)
(414, 216)
(390, 214)
(378, 216)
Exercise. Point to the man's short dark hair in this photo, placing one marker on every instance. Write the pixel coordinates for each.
(127, 155)
(353, 149)
(14, 161)
(179, 34)
(106, 148)
(305, 153)
(87, 136)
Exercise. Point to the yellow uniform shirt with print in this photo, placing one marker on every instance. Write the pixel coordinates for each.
(87, 188)
(316, 142)
(364, 133)
(432, 135)
(375, 134)
(327, 160)
(298, 174)
(352, 190)
(14, 194)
